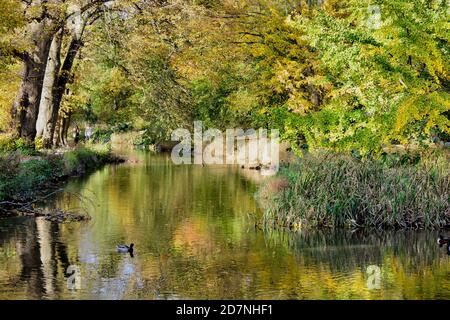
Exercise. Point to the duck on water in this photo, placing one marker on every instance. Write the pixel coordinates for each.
(444, 241)
(122, 248)
(441, 240)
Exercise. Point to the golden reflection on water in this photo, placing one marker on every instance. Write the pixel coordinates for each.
(194, 239)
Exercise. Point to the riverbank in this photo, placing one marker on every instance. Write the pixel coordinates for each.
(337, 191)
(24, 180)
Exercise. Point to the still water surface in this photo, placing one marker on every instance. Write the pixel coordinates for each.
(194, 239)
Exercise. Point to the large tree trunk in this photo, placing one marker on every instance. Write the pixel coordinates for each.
(40, 28)
(45, 116)
(26, 106)
(77, 24)
(63, 79)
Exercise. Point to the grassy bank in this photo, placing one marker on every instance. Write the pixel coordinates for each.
(331, 190)
(24, 179)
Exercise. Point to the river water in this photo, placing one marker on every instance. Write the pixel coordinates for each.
(194, 236)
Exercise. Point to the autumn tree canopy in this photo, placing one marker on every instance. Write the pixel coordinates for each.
(348, 76)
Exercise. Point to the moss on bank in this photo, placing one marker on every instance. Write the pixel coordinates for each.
(22, 180)
(331, 190)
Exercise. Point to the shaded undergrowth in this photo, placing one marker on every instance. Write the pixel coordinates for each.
(23, 180)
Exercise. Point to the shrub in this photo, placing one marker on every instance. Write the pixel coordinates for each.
(82, 159)
(10, 144)
(122, 127)
(9, 167)
(32, 174)
(101, 135)
(22, 180)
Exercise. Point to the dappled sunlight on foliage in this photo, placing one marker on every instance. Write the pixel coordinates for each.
(9, 83)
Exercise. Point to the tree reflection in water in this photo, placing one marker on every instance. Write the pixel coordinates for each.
(193, 239)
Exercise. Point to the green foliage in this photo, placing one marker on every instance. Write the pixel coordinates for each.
(323, 72)
(129, 79)
(145, 140)
(222, 105)
(9, 84)
(9, 167)
(22, 179)
(152, 135)
(32, 173)
(101, 135)
(9, 144)
(328, 78)
(10, 19)
(82, 159)
(385, 84)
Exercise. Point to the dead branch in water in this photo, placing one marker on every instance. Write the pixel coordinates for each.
(22, 205)
(15, 208)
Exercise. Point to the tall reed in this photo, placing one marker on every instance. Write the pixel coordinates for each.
(333, 190)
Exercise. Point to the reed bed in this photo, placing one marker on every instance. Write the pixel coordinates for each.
(334, 190)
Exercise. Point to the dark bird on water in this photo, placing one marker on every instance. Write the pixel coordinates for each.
(444, 241)
(122, 248)
(441, 240)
